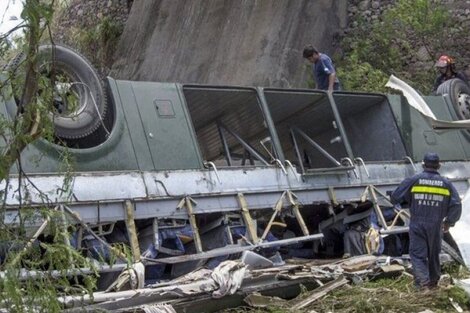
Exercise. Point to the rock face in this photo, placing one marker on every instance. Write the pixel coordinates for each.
(243, 42)
(85, 14)
(79, 24)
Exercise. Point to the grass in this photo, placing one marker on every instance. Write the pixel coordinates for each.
(382, 295)
(251, 310)
(385, 295)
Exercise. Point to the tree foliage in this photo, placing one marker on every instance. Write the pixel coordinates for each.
(34, 274)
(404, 42)
(361, 76)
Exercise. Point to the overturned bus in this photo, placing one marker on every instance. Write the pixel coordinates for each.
(189, 175)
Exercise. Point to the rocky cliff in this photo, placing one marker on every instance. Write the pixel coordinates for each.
(246, 42)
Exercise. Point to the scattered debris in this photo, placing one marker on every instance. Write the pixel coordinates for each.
(254, 260)
(359, 263)
(445, 280)
(455, 305)
(391, 270)
(134, 276)
(234, 277)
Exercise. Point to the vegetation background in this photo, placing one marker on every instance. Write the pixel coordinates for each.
(405, 38)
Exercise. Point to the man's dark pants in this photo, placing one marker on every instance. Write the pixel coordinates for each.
(425, 246)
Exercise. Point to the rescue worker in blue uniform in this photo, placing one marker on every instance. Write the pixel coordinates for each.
(434, 207)
(323, 69)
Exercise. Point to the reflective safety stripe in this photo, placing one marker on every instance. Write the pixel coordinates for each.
(432, 190)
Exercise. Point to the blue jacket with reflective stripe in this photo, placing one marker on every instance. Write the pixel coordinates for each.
(431, 198)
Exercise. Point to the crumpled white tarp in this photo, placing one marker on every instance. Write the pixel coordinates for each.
(417, 102)
(460, 231)
(158, 308)
(223, 280)
(229, 277)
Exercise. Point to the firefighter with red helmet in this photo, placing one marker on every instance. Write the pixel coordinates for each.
(446, 67)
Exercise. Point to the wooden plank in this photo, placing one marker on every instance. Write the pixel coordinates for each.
(332, 195)
(31, 241)
(320, 292)
(298, 216)
(132, 231)
(358, 263)
(364, 194)
(192, 221)
(250, 225)
(378, 211)
(277, 209)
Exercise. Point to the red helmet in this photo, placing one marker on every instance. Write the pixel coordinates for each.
(444, 61)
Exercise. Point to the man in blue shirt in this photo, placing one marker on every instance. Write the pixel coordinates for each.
(434, 207)
(323, 69)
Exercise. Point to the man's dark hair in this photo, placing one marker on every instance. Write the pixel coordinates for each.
(309, 51)
(434, 166)
(431, 160)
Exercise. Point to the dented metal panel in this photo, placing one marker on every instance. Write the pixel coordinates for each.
(166, 126)
(420, 137)
(235, 108)
(367, 119)
(309, 111)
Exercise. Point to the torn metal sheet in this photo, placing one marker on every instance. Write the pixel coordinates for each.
(254, 260)
(417, 102)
